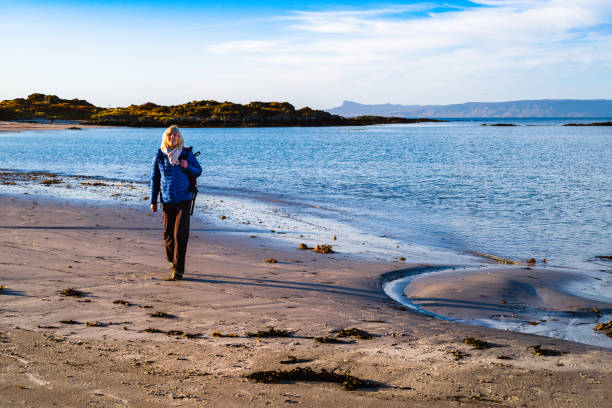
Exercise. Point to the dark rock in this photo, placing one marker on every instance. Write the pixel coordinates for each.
(589, 124)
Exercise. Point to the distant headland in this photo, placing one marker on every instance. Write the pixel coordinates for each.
(205, 113)
(542, 108)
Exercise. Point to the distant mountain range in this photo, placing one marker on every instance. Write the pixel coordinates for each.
(544, 108)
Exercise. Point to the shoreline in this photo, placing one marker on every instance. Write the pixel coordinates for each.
(115, 253)
(10, 126)
(569, 324)
(241, 212)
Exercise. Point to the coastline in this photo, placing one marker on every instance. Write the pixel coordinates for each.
(112, 252)
(10, 126)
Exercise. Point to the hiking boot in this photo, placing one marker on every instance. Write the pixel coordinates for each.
(176, 275)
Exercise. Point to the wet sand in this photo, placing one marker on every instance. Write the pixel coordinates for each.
(494, 291)
(8, 126)
(114, 253)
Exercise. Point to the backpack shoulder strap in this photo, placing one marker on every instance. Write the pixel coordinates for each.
(187, 150)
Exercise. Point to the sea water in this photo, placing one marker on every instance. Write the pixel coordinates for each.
(429, 192)
(537, 190)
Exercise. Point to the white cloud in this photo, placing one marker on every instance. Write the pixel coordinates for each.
(387, 52)
(247, 46)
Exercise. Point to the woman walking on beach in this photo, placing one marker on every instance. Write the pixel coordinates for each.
(172, 167)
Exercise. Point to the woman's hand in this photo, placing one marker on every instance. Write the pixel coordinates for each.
(154, 207)
(184, 164)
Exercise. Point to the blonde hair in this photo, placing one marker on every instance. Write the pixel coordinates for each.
(166, 144)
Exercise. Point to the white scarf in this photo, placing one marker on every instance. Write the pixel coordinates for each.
(173, 154)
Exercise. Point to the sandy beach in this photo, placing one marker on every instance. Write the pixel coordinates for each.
(90, 350)
(9, 126)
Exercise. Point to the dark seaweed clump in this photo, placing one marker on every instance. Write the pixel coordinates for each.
(162, 315)
(606, 328)
(329, 340)
(48, 182)
(458, 354)
(354, 332)
(294, 360)
(71, 292)
(153, 330)
(477, 343)
(269, 260)
(122, 302)
(69, 321)
(96, 324)
(539, 351)
(324, 249)
(348, 381)
(271, 332)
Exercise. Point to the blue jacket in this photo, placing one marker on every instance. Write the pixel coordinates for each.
(173, 179)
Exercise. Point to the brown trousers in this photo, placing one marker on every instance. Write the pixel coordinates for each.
(176, 233)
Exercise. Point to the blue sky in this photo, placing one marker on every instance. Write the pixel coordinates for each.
(315, 53)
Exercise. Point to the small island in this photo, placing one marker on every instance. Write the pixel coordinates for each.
(205, 113)
(590, 124)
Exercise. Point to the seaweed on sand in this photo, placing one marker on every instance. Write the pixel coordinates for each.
(71, 292)
(69, 321)
(96, 324)
(162, 315)
(294, 360)
(48, 182)
(180, 333)
(152, 330)
(304, 247)
(324, 249)
(539, 351)
(269, 260)
(219, 334)
(348, 381)
(458, 354)
(477, 343)
(271, 332)
(330, 340)
(606, 328)
(498, 259)
(356, 333)
(122, 302)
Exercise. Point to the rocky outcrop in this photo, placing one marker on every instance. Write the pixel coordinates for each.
(204, 113)
(228, 114)
(590, 124)
(51, 107)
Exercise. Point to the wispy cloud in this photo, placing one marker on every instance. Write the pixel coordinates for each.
(503, 38)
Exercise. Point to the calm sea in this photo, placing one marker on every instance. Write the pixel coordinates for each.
(423, 191)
